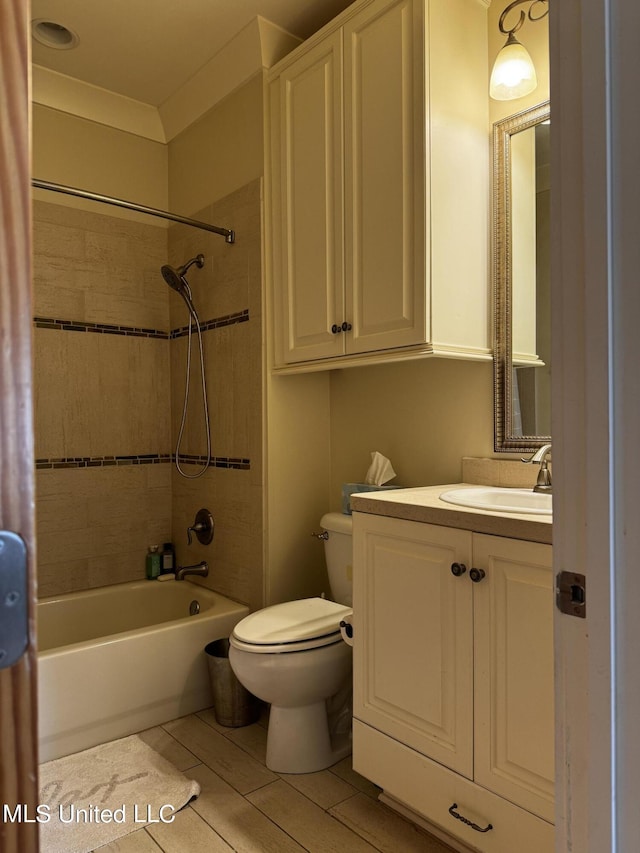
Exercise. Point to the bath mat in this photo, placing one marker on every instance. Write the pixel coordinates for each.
(96, 796)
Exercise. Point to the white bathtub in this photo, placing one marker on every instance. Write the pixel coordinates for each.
(116, 660)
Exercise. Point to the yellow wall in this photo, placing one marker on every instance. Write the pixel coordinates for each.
(219, 153)
(423, 415)
(81, 153)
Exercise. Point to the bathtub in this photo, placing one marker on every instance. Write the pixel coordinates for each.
(119, 659)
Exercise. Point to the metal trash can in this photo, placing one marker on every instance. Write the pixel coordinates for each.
(233, 705)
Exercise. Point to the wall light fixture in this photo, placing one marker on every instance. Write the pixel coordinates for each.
(514, 74)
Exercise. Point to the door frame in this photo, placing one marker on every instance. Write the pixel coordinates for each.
(18, 703)
(596, 417)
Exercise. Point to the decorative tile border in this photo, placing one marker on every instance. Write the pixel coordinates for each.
(140, 459)
(98, 328)
(136, 331)
(217, 323)
(103, 461)
(216, 461)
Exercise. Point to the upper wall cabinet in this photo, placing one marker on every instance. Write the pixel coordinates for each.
(378, 187)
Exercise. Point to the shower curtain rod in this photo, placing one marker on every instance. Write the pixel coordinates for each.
(228, 234)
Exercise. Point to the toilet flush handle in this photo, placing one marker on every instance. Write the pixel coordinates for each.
(347, 628)
(323, 535)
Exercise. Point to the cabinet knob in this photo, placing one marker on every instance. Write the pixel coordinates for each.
(458, 569)
(476, 575)
(346, 327)
(335, 329)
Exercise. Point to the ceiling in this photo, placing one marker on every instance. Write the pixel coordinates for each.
(148, 49)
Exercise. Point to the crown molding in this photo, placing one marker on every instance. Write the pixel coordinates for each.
(256, 47)
(69, 95)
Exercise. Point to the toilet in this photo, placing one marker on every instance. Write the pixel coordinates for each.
(294, 657)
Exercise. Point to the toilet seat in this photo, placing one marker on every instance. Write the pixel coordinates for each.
(294, 626)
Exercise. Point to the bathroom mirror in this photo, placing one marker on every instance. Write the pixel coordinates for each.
(521, 281)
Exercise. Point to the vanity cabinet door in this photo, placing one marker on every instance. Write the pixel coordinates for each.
(514, 682)
(413, 639)
(306, 157)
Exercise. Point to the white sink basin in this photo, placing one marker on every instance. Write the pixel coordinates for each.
(500, 500)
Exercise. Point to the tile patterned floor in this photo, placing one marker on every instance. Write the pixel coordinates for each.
(245, 807)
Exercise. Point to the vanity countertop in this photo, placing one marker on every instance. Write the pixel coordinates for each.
(424, 504)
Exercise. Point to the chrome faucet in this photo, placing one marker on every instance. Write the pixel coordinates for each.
(201, 569)
(543, 483)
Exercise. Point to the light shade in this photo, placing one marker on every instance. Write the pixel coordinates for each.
(513, 74)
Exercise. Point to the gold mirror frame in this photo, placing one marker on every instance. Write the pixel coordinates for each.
(503, 130)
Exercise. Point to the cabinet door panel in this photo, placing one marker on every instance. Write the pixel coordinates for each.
(384, 177)
(312, 262)
(413, 636)
(514, 698)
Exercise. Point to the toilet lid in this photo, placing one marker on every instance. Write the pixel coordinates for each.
(292, 622)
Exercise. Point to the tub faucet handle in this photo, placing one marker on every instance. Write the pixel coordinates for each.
(203, 527)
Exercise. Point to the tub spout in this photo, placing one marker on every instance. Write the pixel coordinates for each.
(201, 569)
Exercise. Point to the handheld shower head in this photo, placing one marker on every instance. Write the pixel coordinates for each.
(175, 278)
(172, 277)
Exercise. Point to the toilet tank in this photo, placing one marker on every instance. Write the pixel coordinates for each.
(338, 552)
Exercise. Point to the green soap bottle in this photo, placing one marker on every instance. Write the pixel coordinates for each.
(153, 563)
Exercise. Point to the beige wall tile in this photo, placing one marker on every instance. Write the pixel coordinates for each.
(482, 472)
(101, 395)
(56, 293)
(94, 524)
(235, 555)
(98, 268)
(223, 286)
(65, 576)
(55, 240)
(499, 472)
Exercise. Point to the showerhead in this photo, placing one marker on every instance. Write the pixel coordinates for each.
(175, 278)
(172, 277)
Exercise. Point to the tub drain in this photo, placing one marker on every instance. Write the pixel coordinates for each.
(194, 607)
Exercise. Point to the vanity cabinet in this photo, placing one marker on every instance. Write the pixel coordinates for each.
(377, 187)
(453, 679)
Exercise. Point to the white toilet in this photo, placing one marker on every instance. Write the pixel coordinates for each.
(293, 656)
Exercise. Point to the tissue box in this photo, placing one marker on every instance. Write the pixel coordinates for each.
(349, 489)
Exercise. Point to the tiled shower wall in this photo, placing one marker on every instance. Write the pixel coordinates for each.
(109, 380)
(227, 295)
